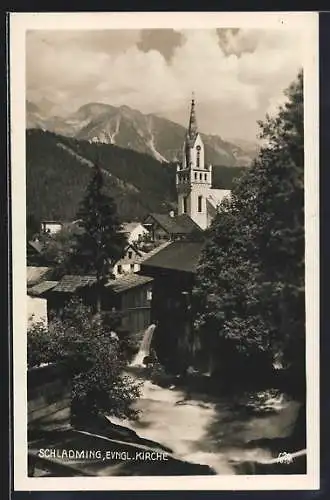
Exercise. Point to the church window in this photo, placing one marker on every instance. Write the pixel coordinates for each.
(205, 177)
(185, 205)
(120, 269)
(200, 199)
(198, 159)
(200, 177)
(195, 175)
(130, 255)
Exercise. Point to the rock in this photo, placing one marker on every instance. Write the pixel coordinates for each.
(101, 425)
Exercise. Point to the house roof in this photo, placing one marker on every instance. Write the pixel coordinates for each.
(216, 196)
(41, 288)
(36, 245)
(177, 256)
(179, 224)
(128, 281)
(147, 255)
(57, 222)
(71, 283)
(128, 227)
(34, 274)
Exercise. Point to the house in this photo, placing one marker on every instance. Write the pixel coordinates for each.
(51, 226)
(164, 227)
(130, 294)
(34, 253)
(38, 283)
(70, 286)
(129, 262)
(173, 269)
(135, 231)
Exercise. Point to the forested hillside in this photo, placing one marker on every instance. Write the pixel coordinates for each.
(58, 170)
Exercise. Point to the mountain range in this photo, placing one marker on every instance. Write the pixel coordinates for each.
(130, 129)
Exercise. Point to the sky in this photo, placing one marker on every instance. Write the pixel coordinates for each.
(237, 75)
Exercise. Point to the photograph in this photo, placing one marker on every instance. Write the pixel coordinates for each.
(164, 187)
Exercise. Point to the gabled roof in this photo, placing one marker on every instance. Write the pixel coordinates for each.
(128, 281)
(177, 256)
(35, 274)
(179, 224)
(216, 196)
(41, 288)
(36, 245)
(128, 227)
(147, 255)
(71, 283)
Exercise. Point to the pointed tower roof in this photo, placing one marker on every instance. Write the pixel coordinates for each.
(192, 129)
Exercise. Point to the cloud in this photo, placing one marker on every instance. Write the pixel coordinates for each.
(236, 74)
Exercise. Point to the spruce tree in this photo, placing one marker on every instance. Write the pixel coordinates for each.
(101, 243)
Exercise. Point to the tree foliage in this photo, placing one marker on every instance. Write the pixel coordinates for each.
(57, 171)
(101, 242)
(249, 295)
(58, 249)
(94, 357)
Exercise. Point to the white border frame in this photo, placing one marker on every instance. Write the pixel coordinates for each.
(19, 24)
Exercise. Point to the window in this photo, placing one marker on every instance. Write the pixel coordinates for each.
(184, 208)
(130, 254)
(198, 159)
(200, 198)
(132, 267)
(200, 177)
(205, 177)
(120, 269)
(195, 175)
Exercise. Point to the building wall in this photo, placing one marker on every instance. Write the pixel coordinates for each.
(125, 268)
(137, 233)
(36, 310)
(51, 227)
(194, 181)
(136, 305)
(171, 310)
(128, 263)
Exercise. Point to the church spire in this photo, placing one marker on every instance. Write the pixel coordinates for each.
(192, 130)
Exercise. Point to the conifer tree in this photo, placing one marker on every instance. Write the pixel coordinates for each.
(101, 243)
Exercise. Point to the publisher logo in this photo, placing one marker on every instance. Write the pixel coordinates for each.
(285, 458)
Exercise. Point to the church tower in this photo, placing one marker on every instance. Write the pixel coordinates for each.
(193, 177)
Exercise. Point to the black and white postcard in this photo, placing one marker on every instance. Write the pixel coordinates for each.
(164, 185)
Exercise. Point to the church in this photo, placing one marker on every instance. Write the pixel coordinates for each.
(198, 201)
(196, 197)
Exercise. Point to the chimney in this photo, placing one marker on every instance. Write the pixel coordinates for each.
(171, 213)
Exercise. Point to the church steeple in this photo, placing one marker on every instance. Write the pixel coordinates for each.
(192, 129)
(194, 178)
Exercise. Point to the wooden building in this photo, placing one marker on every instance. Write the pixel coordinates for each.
(131, 295)
(128, 295)
(164, 227)
(173, 269)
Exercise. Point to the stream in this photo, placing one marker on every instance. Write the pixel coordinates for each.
(217, 431)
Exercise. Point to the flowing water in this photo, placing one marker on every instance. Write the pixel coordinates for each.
(213, 431)
(145, 346)
(217, 431)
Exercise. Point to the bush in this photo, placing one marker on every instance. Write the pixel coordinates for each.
(94, 357)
